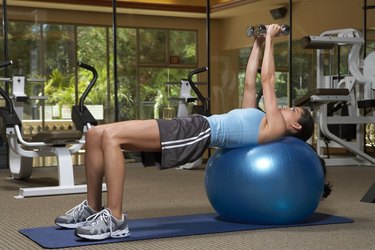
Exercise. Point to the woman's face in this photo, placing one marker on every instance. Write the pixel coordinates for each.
(291, 116)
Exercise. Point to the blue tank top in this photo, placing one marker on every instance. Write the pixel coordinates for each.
(237, 128)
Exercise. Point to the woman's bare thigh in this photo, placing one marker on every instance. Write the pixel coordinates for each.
(135, 135)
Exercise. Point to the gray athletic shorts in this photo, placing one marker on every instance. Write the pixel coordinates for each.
(183, 140)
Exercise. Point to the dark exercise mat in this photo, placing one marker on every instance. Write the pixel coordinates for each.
(164, 227)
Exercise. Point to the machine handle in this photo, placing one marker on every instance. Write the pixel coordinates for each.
(6, 97)
(89, 87)
(195, 89)
(6, 64)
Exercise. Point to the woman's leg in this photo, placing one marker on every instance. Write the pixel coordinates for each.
(104, 157)
(94, 167)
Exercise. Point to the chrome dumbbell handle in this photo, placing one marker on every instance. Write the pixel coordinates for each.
(261, 30)
(250, 31)
(285, 30)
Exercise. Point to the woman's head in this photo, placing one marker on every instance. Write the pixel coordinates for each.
(307, 122)
(299, 122)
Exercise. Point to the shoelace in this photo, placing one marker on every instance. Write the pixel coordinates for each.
(104, 215)
(77, 210)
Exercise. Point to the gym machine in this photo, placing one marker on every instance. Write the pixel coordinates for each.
(19, 98)
(59, 143)
(353, 92)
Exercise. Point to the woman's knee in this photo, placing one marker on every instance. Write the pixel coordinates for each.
(109, 138)
(93, 136)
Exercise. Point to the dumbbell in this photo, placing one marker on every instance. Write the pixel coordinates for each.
(261, 30)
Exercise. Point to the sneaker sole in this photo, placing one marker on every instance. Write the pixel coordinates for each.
(118, 234)
(70, 226)
(121, 233)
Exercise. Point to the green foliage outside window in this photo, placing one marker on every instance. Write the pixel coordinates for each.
(51, 51)
(183, 44)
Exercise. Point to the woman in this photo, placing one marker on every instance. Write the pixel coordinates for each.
(179, 141)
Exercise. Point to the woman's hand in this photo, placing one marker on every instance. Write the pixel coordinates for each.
(273, 30)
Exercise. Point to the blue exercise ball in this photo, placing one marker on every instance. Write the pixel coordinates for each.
(280, 182)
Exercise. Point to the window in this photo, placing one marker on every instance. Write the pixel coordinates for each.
(146, 59)
(126, 72)
(152, 46)
(183, 44)
(160, 62)
(58, 65)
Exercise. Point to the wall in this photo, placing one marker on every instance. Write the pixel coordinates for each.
(310, 17)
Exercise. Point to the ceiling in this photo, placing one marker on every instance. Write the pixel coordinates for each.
(187, 8)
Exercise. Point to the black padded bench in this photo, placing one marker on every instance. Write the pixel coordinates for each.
(322, 94)
(58, 137)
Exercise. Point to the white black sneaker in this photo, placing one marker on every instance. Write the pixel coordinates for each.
(103, 225)
(76, 216)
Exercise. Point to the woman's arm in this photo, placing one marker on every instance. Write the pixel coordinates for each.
(274, 126)
(249, 91)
